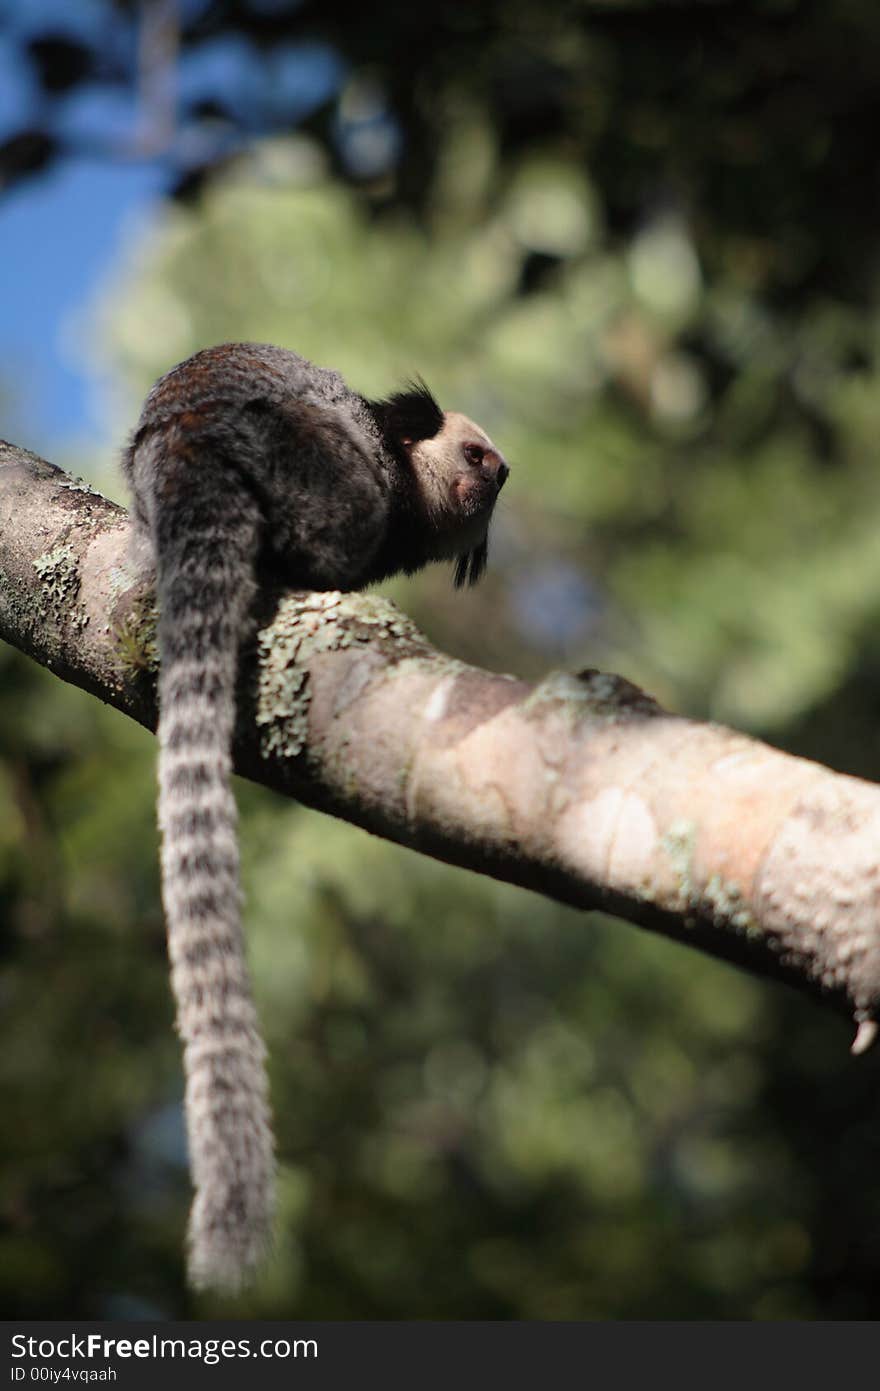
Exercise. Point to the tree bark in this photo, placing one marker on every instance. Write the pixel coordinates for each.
(580, 787)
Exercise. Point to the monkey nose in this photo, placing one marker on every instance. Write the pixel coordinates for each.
(501, 474)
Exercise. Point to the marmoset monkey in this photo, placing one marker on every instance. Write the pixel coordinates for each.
(247, 455)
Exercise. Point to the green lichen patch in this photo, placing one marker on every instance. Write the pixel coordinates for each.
(373, 616)
(678, 847)
(58, 573)
(724, 901)
(590, 695)
(304, 626)
(301, 628)
(75, 484)
(135, 636)
(720, 900)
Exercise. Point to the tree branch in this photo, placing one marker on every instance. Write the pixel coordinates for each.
(580, 787)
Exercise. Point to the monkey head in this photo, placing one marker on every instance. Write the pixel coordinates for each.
(460, 474)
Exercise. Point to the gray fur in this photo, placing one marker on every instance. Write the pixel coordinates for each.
(248, 453)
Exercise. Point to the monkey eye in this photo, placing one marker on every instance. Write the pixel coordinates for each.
(474, 453)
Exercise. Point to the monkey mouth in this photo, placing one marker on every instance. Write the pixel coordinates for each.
(475, 497)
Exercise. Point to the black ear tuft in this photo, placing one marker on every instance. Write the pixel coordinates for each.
(469, 568)
(409, 415)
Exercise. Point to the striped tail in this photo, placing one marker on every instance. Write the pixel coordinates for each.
(206, 566)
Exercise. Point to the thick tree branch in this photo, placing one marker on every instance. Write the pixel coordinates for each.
(581, 787)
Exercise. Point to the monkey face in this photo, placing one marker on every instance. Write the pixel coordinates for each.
(460, 473)
(483, 472)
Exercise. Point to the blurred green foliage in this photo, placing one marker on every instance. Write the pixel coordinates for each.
(489, 1106)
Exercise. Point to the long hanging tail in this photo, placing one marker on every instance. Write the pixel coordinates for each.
(206, 548)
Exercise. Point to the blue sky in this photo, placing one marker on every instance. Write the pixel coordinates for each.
(60, 232)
